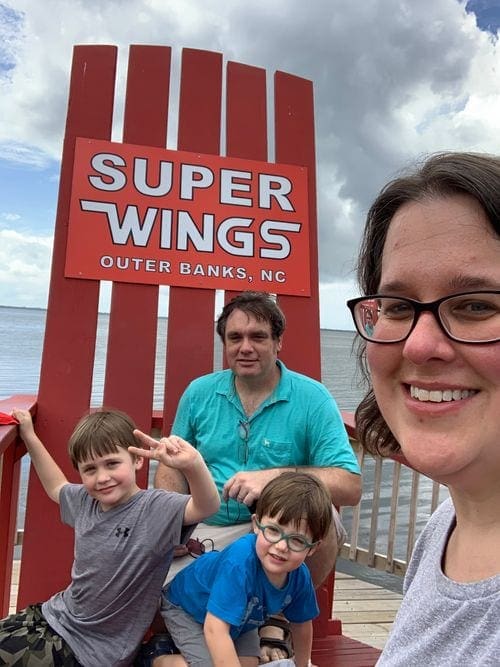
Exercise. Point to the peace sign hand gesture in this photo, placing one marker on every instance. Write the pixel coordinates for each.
(172, 451)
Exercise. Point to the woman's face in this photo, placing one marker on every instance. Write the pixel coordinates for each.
(435, 248)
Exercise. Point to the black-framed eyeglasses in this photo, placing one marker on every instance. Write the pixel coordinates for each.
(468, 317)
(273, 534)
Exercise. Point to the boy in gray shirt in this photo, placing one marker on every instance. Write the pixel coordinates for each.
(124, 540)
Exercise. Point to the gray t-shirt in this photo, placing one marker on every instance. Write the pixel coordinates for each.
(121, 559)
(442, 622)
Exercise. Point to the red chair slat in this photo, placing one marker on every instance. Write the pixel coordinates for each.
(130, 362)
(294, 131)
(66, 376)
(190, 342)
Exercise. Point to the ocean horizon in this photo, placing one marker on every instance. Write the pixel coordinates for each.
(21, 340)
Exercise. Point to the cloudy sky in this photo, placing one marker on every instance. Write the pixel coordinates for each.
(393, 80)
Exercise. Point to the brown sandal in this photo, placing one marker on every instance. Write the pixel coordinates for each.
(284, 644)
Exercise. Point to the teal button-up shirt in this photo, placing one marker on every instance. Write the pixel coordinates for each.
(299, 424)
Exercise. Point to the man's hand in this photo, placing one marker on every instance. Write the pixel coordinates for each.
(172, 451)
(246, 487)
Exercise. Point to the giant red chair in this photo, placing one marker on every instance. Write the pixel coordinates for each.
(70, 337)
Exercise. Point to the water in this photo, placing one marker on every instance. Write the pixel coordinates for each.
(21, 339)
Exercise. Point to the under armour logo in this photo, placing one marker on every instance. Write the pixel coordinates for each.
(122, 531)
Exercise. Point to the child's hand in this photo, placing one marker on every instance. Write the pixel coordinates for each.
(25, 421)
(172, 451)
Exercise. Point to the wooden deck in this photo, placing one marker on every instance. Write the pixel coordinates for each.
(365, 609)
(14, 586)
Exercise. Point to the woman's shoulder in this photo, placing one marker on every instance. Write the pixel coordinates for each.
(444, 514)
(438, 525)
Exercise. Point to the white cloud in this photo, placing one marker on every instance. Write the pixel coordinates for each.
(23, 154)
(334, 312)
(393, 79)
(24, 269)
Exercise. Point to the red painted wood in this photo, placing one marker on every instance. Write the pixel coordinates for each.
(8, 434)
(190, 342)
(349, 423)
(130, 363)
(246, 112)
(65, 377)
(295, 144)
(324, 625)
(246, 121)
(9, 490)
(11, 451)
(341, 651)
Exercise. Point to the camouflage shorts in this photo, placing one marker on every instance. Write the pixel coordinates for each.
(26, 639)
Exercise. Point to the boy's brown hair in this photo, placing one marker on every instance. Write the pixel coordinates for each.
(100, 433)
(295, 496)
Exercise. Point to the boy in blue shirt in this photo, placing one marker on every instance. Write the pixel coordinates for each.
(214, 606)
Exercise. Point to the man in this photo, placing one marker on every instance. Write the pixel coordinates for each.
(256, 420)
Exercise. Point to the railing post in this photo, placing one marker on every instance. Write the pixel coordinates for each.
(11, 452)
(9, 490)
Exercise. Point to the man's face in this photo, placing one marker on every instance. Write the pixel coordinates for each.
(251, 350)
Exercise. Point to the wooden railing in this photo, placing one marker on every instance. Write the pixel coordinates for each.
(396, 504)
(11, 451)
(382, 528)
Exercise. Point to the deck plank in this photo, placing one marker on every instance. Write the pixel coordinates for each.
(366, 610)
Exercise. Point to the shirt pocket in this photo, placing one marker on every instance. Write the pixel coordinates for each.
(272, 453)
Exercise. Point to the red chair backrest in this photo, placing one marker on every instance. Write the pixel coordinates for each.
(70, 338)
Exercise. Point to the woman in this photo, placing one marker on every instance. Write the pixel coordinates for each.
(430, 267)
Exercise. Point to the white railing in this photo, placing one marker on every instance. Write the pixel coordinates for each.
(396, 504)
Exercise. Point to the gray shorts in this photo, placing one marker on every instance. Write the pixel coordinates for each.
(190, 640)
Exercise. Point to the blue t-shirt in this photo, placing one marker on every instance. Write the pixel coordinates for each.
(232, 585)
(299, 424)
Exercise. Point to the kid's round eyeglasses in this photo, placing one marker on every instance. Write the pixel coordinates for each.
(274, 534)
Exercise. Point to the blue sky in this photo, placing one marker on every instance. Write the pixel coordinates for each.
(393, 80)
(487, 13)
